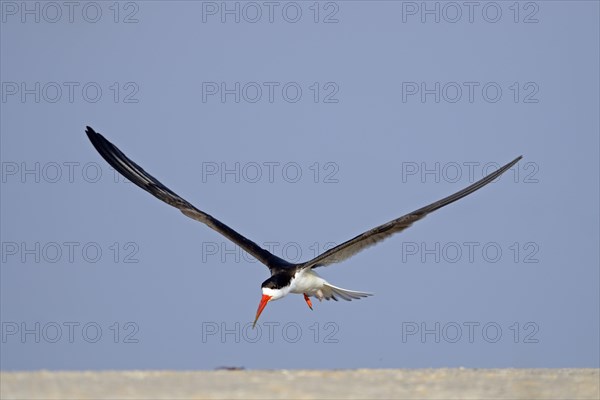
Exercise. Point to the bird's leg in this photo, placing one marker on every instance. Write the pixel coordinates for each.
(308, 301)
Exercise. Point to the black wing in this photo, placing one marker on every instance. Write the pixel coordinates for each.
(137, 175)
(375, 235)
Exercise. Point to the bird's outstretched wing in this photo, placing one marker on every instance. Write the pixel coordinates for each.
(141, 178)
(375, 235)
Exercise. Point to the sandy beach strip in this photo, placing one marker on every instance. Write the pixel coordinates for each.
(448, 383)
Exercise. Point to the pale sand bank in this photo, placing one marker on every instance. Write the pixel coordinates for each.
(448, 383)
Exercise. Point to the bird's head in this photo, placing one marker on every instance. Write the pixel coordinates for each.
(273, 288)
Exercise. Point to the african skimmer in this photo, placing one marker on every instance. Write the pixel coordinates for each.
(285, 277)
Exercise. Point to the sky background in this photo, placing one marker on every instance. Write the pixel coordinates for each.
(300, 125)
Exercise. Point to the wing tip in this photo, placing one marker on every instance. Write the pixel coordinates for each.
(92, 134)
(510, 164)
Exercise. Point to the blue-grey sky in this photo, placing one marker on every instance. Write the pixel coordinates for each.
(300, 124)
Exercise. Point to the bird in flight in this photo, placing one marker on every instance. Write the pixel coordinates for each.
(285, 277)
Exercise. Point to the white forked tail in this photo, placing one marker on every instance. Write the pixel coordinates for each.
(331, 292)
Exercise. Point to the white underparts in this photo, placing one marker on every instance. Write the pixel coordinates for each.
(310, 283)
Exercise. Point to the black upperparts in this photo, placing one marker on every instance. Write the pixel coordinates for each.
(280, 279)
